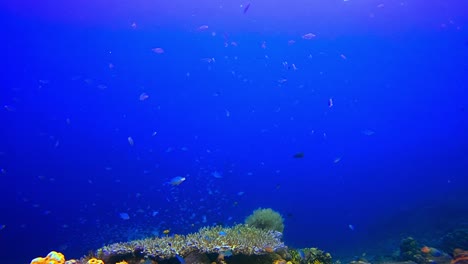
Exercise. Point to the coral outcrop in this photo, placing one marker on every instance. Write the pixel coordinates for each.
(266, 219)
(240, 239)
(52, 258)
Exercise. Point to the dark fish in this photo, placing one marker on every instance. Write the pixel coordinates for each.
(246, 8)
(299, 155)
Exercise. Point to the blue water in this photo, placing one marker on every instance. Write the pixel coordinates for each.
(386, 160)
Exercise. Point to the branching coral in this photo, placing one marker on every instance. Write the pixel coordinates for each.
(240, 239)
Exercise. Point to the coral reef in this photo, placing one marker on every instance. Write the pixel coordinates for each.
(266, 219)
(308, 256)
(410, 250)
(240, 244)
(95, 261)
(240, 239)
(457, 238)
(460, 256)
(52, 258)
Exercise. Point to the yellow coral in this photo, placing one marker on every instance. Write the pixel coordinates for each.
(122, 262)
(95, 261)
(279, 261)
(52, 258)
(317, 261)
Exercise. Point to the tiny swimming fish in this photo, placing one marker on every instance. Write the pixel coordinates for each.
(299, 155)
(130, 141)
(308, 36)
(226, 253)
(351, 227)
(180, 259)
(222, 233)
(301, 254)
(144, 96)
(246, 8)
(124, 216)
(177, 180)
(216, 175)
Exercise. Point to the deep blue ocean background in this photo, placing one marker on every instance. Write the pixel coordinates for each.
(387, 159)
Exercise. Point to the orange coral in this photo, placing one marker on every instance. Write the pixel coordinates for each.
(122, 262)
(95, 261)
(52, 258)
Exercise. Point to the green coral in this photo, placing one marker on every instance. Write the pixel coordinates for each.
(266, 219)
(410, 251)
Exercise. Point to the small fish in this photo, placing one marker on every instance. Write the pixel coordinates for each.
(301, 254)
(158, 50)
(177, 180)
(308, 36)
(269, 249)
(209, 60)
(9, 108)
(298, 155)
(2, 227)
(216, 175)
(330, 102)
(130, 141)
(124, 216)
(180, 259)
(246, 8)
(226, 253)
(144, 96)
(351, 227)
(368, 132)
(167, 231)
(202, 28)
(222, 233)
(282, 81)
